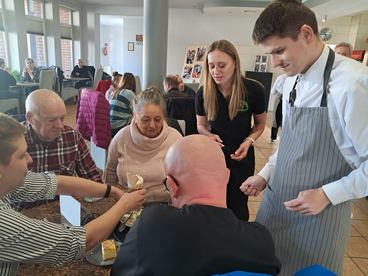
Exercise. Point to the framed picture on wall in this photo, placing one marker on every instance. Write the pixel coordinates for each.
(193, 63)
(130, 46)
(260, 63)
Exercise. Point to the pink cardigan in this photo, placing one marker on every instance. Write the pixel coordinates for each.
(93, 117)
(145, 156)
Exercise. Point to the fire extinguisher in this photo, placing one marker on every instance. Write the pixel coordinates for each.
(105, 50)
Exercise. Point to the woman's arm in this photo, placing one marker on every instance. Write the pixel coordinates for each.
(202, 127)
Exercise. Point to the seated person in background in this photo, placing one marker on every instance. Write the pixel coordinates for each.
(185, 88)
(198, 235)
(140, 147)
(40, 241)
(344, 49)
(6, 79)
(120, 103)
(116, 78)
(81, 71)
(171, 87)
(30, 72)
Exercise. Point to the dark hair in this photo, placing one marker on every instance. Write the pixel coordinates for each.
(10, 130)
(126, 82)
(283, 18)
(172, 80)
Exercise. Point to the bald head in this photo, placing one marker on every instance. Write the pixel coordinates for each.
(198, 166)
(45, 112)
(41, 99)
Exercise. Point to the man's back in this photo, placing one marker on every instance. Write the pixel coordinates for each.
(194, 240)
(6, 80)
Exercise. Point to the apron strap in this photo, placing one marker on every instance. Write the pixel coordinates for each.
(326, 76)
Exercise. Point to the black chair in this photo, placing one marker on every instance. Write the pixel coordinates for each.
(183, 108)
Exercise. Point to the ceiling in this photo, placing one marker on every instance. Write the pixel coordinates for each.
(333, 8)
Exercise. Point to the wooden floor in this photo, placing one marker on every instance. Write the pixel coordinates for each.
(356, 257)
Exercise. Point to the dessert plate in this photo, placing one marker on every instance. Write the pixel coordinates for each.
(94, 256)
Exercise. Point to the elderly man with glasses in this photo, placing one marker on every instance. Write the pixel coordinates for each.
(197, 235)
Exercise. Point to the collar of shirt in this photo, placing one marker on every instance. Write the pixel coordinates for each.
(33, 138)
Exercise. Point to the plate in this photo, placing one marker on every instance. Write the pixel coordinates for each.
(94, 256)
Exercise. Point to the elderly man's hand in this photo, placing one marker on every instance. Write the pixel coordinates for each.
(309, 202)
(254, 185)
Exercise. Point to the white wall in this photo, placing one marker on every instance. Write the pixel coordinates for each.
(114, 36)
(192, 27)
(133, 60)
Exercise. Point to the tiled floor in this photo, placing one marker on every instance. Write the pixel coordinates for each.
(356, 257)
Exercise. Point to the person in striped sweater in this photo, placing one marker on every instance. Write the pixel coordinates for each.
(30, 240)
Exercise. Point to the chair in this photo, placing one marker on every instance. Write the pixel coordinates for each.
(183, 108)
(68, 93)
(175, 124)
(315, 270)
(97, 77)
(99, 155)
(47, 79)
(138, 87)
(9, 104)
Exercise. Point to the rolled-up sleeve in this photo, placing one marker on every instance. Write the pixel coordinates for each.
(37, 186)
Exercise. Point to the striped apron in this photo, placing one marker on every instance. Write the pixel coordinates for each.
(308, 158)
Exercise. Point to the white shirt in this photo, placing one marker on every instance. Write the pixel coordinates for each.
(347, 104)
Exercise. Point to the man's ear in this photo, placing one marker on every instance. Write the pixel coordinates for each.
(306, 32)
(173, 186)
(29, 117)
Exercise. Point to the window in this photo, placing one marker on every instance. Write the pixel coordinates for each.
(65, 16)
(33, 8)
(36, 48)
(66, 55)
(2, 45)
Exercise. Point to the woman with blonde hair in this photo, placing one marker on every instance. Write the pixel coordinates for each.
(225, 106)
(120, 103)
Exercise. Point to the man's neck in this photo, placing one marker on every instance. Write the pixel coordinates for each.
(319, 46)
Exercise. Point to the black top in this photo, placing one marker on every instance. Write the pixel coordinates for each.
(6, 80)
(27, 78)
(174, 93)
(194, 240)
(81, 72)
(233, 132)
(189, 91)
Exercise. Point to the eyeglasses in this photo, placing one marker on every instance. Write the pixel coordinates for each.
(292, 95)
(165, 182)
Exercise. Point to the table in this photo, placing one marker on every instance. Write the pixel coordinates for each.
(51, 212)
(21, 90)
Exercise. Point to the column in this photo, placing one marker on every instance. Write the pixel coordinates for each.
(155, 28)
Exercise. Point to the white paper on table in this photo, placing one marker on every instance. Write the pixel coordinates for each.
(70, 209)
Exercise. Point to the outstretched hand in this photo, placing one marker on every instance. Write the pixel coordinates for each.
(309, 202)
(254, 185)
(134, 200)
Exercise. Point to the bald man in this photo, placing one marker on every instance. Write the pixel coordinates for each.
(198, 235)
(53, 146)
